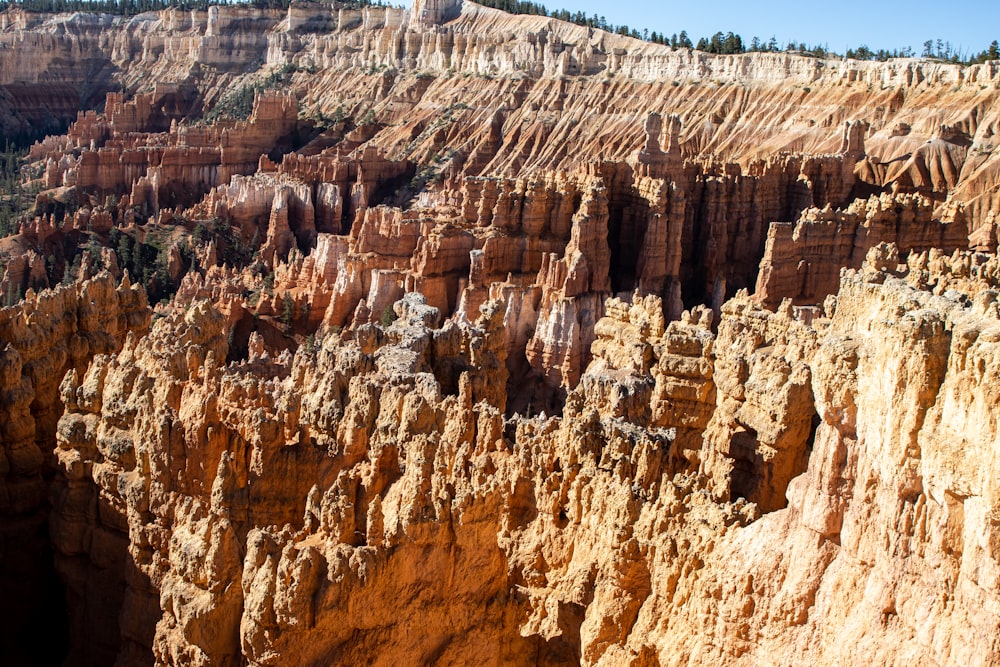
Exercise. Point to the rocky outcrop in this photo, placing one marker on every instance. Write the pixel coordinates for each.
(537, 243)
(455, 362)
(188, 162)
(407, 69)
(652, 374)
(44, 336)
(761, 430)
(433, 12)
(277, 505)
(212, 416)
(802, 260)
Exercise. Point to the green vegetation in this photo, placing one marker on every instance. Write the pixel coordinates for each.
(12, 297)
(388, 316)
(324, 121)
(267, 289)
(16, 200)
(944, 51)
(579, 18)
(229, 244)
(12, 197)
(287, 309)
(238, 104)
(146, 262)
(730, 43)
(722, 43)
(430, 173)
(719, 43)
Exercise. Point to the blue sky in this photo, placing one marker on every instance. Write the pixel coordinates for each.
(839, 24)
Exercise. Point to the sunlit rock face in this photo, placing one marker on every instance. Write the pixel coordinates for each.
(307, 507)
(458, 360)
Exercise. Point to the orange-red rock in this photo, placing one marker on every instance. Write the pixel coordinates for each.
(455, 372)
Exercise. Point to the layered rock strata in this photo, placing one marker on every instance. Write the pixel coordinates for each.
(802, 260)
(430, 79)
(460, 381)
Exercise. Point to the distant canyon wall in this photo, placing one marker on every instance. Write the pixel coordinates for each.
(541, 93)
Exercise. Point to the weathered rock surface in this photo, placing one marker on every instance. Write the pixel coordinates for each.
(365, 497)
(432, 78)
(459, 375)
(802, 261)
(43, 337)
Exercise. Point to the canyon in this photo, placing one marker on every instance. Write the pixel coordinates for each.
(440, 335)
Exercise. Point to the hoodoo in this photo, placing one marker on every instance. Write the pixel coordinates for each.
(342, 334)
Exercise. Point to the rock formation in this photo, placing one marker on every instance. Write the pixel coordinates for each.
(802, 260)
(278, 505)
(45, 336)
(553, 109)
(453, 357)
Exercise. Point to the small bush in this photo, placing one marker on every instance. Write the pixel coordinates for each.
(388, 316)
(287, 309)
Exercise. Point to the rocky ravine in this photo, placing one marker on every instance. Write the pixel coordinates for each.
(491, 388)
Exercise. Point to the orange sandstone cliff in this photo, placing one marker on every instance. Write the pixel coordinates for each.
(441, 348)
